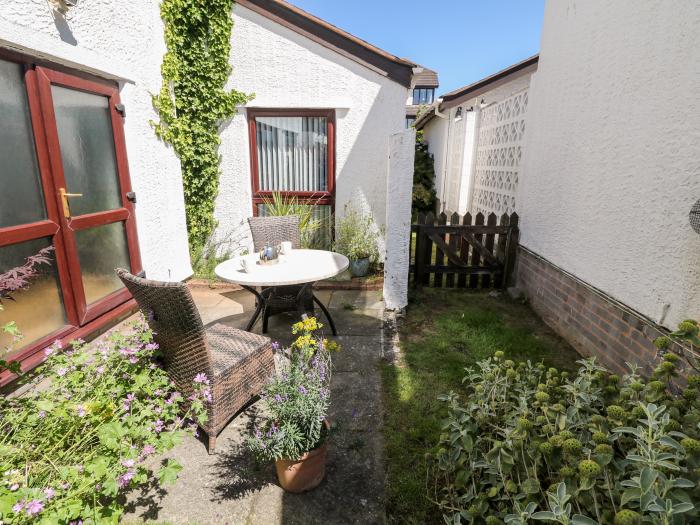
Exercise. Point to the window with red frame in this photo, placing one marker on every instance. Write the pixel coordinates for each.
(292, 155)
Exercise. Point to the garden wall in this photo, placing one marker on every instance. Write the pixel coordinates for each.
(594, 323)
(120, 41)
(611, 165)
(287, 70)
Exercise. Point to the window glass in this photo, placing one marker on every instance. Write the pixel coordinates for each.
(423, 96)
(100, 251)
(36, 306)
(292, 153)
(319, 234)
(22, 199)
(87, 149)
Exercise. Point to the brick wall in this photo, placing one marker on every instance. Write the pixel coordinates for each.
(594, 324)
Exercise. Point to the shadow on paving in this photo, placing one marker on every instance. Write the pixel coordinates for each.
(230, 487)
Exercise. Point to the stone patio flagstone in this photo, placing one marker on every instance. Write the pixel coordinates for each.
(231, 488)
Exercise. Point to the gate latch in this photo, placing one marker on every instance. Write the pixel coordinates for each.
(121, 109)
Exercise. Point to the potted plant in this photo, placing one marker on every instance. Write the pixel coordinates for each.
(295, 431)
(356, 238)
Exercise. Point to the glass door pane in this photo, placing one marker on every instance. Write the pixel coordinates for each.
(100, 251)
(36, 305)
(85, 134)
(21, 198)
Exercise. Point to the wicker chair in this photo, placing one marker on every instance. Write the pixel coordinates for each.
(279, 299)
(237, 363)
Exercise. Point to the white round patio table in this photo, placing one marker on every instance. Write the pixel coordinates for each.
(303, 267)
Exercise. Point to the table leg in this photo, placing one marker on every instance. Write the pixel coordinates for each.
(327, 314)
(260, 304)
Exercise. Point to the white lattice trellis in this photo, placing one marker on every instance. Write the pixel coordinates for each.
(498, 154)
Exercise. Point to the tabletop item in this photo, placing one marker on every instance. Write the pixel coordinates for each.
(269, 255)
(248, 262)
(286, 247)
(300, 267)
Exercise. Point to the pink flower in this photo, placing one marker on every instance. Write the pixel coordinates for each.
(133, 360)
(18, 507)
(148, 450)
(14, 487)
(128, 463)
(100, 370)
(34, 507)
(201, 378)
(80, 410)
(42, 414)
(49, 493)
(158, 425)
(125, 478)
(61, 372)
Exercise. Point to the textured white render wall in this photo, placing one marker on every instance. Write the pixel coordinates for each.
(612, 153)
(285, 69)
(398, 215)
(454, 169)
(118, 39)
(435, 134)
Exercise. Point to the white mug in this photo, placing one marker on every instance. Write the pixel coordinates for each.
(286, 247)
(248, 263)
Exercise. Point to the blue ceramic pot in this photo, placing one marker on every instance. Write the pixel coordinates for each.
(359, 267)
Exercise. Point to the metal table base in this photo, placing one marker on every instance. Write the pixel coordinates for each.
(261, 304)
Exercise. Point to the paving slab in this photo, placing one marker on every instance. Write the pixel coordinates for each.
(230, 487)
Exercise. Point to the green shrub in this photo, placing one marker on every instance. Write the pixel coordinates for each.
(596, 448)
(90, 431)
(357, 235)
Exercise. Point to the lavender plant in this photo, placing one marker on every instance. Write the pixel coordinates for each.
(528, 444)
(297, 400)
(92, 431)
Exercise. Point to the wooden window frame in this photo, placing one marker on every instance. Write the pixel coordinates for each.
(321, 198)
(81, 320)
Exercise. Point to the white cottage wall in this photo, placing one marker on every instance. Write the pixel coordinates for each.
(435, 134)
(287, 70)
(612, 154)
(121, 41)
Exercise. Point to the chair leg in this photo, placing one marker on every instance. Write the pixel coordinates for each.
(211, 443)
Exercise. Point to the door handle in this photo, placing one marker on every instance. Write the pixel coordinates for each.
(64, 200)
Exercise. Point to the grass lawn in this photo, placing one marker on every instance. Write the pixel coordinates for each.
(445, 331)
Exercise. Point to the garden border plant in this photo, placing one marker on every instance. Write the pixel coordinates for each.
(526, 443)
(193, 102)
(92, 431)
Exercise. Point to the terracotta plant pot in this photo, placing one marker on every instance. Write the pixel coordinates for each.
(305, 473)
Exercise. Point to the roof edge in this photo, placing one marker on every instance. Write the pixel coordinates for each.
(457, 96)
(397, 69)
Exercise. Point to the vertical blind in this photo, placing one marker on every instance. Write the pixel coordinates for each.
(292, 153)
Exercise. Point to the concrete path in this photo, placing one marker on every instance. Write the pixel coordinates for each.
(230, 488)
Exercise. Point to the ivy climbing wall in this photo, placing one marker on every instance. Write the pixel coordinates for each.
(498, 154)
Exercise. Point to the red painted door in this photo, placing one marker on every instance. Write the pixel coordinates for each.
(66, 193)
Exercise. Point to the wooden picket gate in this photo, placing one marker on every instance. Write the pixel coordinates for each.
(457, 253)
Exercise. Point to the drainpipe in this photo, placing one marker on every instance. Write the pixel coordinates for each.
(440, 114)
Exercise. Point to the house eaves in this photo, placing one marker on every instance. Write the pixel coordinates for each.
(397, 69)
(460, 95)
